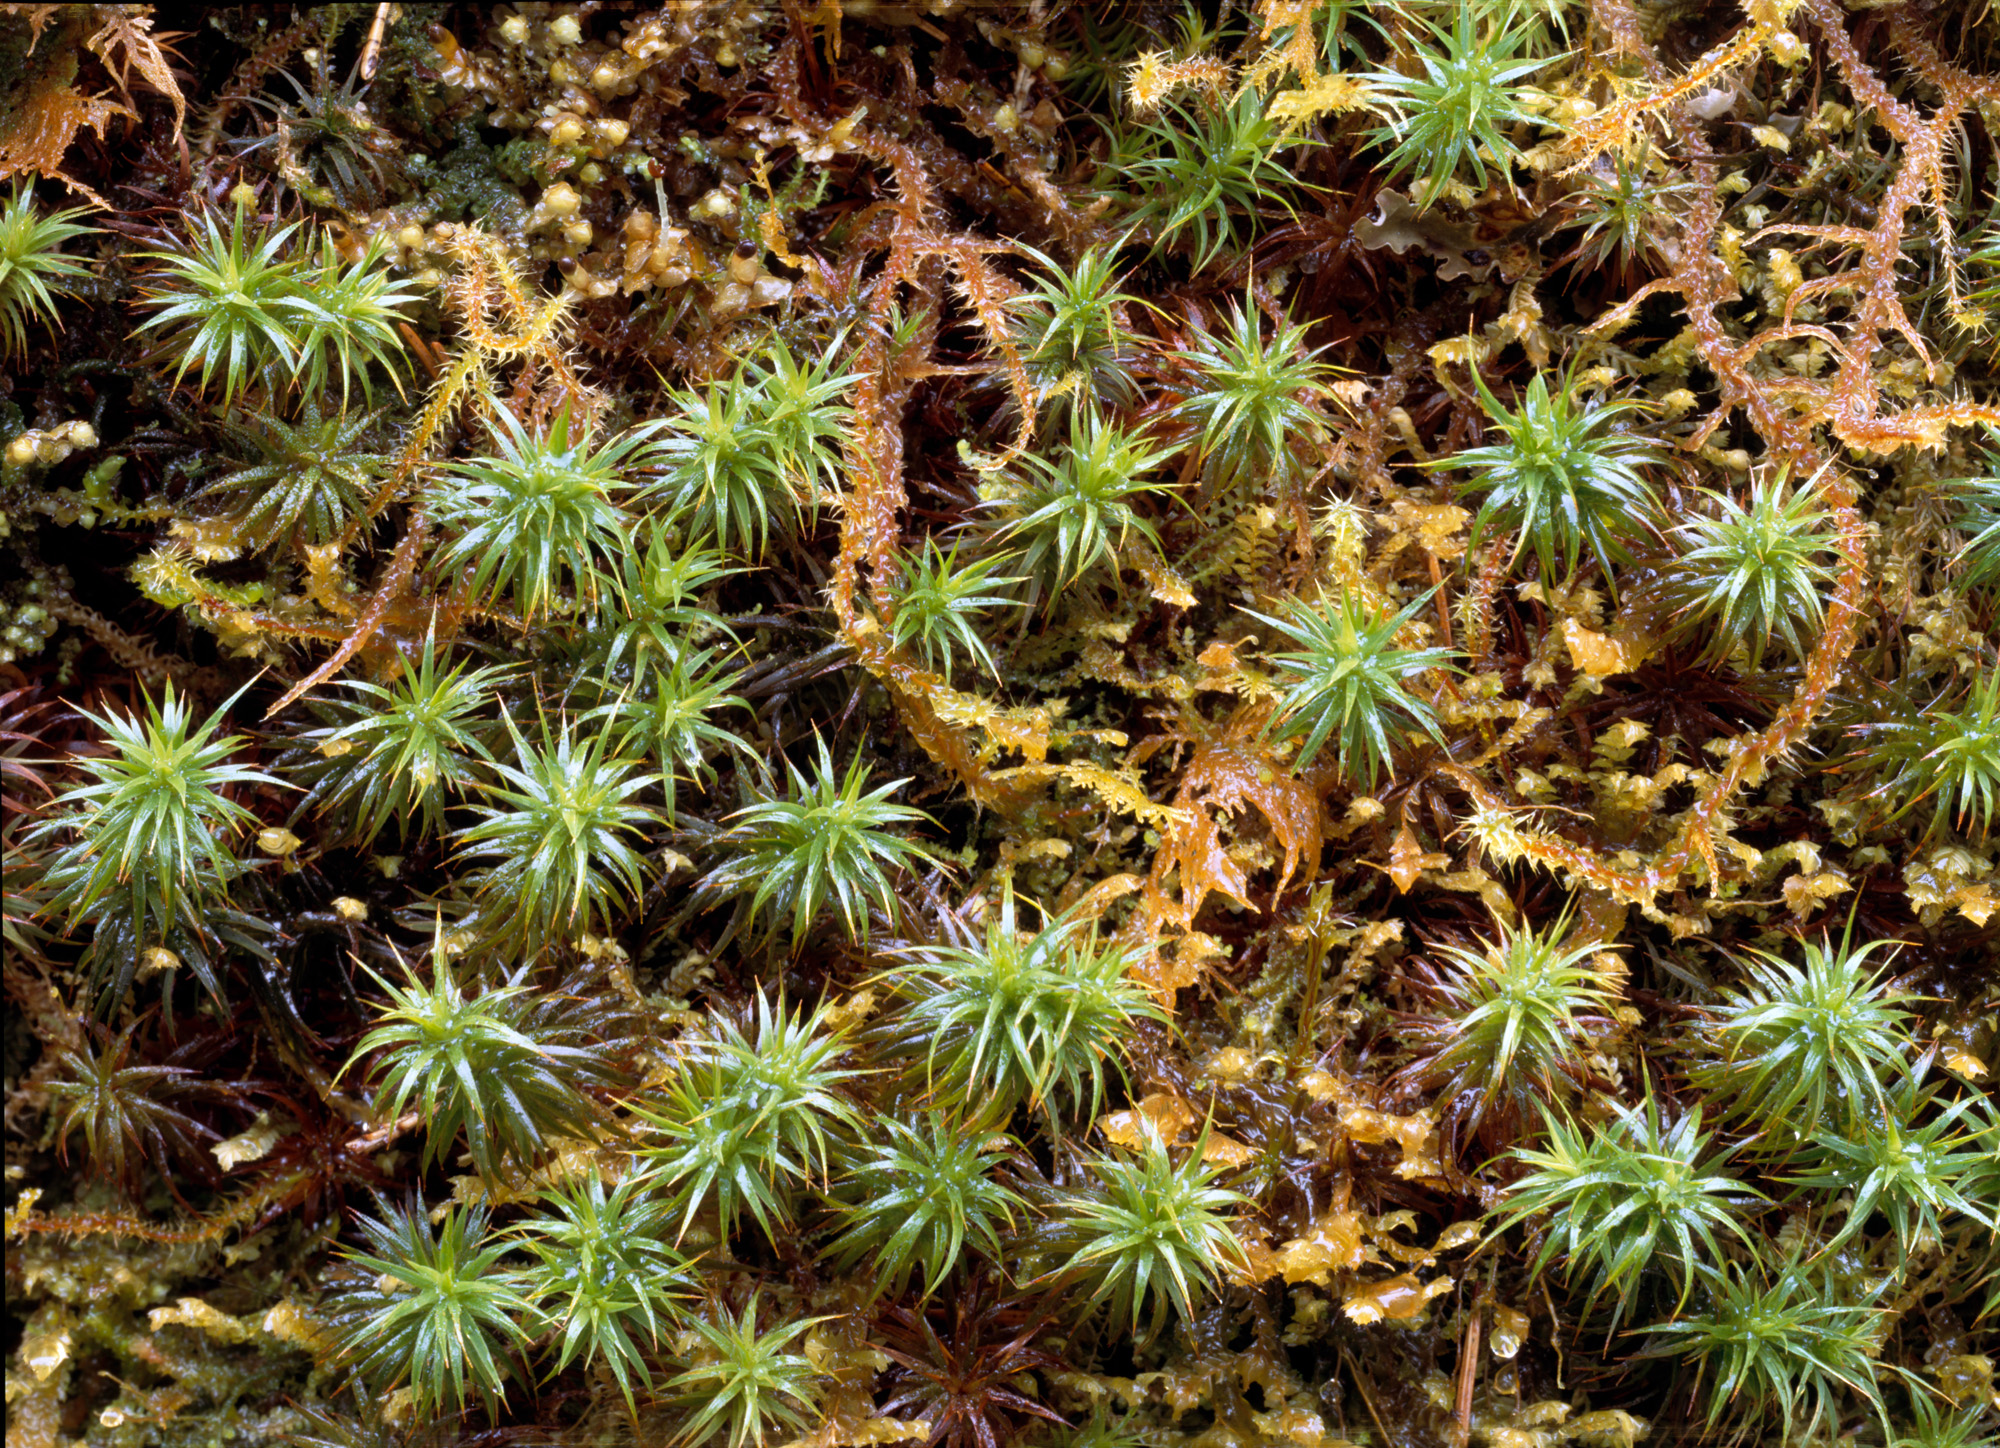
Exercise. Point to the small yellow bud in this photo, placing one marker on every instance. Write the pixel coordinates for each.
(278, 842)
(564, 30)
(561, 200)
(514, 30)
(350, 909)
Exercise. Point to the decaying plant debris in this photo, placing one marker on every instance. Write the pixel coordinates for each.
(853, 723)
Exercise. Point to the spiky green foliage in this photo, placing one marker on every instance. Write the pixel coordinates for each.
(1065, 327)
(1754, 570)
(441, 1314)
(1950, 756)
(604, 1274)
(1075, 509)
(754, 453)
(146, 836)
(1018, 1018)
(1934, 1424)
(1144, 1233)
(915, 1196)
(1771, 1345)
(399, 752)
(326, 130)
(1626, 1197)
(1351, 684)
(33, 269)
(1979, 521)
(746, 1379)
(669, 717)
(1807, 1043)
(1627, 214)
(654, 613)
(506, 1066)
(1252, 399)
(309, 480)
(1457, 109)
(1564, 480)
(1512, 1017)
(1212, 173)
(559, 830)
(351, 324)
(236, 306)
(542, 515)
(749, 1120)
(823, 843)
(1905, 1159)
(941, 606)
(129, 1110)
(802, 416)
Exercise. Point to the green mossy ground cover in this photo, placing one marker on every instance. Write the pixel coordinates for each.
(840, 723)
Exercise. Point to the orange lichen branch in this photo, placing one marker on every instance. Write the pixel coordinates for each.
(402, 568)
(1614, 127)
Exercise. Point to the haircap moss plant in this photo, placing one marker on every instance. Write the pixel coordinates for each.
(1350, 685)
(130, 1111)
(398, 752)
(1774, 1345)
(34, 271)
(147, 835)
(238, 307)
(1456, 113)
(506, 1066)
(914, 1197)
(1077, 509)
(310, 479)
(1948, 756)
(1514, 1014)
(751, 456)
(743, 1121)
(1065, 326)
(668, 717)
(1753, 571)
(1628, 213)
(1979, 521)
(941, 603)
(1941, 1423)
(542, 514)
(1563, 480)
(823, 843)
(327, 131)
(1904, 1159)
(439, 1313)
(654, 614)
(1252, 399)
(559, 833)
(745, 1379)
(1019, 1018)
(966, 1363)
(1800, 1044)
(1629, 1197)
(604, 1274)
(1144, 1233)
(1210, 174)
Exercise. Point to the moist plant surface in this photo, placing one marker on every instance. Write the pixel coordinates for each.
(827, 724)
